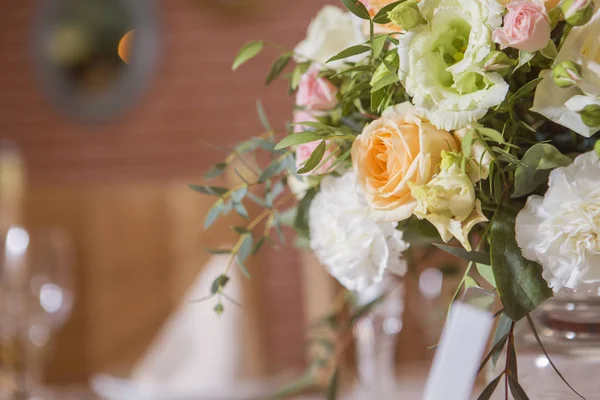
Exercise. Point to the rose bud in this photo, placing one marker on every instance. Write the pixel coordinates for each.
(566, 74)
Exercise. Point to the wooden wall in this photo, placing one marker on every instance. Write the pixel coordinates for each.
(120, 187)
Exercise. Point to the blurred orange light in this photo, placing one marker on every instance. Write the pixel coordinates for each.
(125, 46)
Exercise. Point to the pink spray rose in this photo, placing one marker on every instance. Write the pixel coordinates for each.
(315, 93)
(303, 151)
(526, 27)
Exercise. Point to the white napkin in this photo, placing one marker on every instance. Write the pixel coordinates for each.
(195, 355)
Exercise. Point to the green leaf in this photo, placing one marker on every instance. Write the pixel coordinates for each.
(525, 89)
(356, 68)
(209, 190)
(219, 283)
(262, 116)
(516, 389)
(272, 169)
(212, 214)
(357, 8)
(459, 252)
(301, 221)
(535, 167)
(332, 388)
(259, 245)
(298, 138)
(469, 282)
(314, 159)
(537, 338)
(278, 66)
(385, 81)
(297, 74)
(382, 16)
(242, 267)
(246, 53)
(378, 43)
(467, 143)
(550, 50)
(246, 245)
(524, 58)
(489, 390)
(511, 359)
(238, 195)
(494, 352)
(241, 210)
(349, 52)
(216, 170)
(519, 281)
(491, 134)
(486, 273)
(218, 251)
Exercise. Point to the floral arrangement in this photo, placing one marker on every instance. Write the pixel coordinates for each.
(425, 122)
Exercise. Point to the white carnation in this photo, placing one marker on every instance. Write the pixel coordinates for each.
(332, 31)
(561, 230)
(355, 249)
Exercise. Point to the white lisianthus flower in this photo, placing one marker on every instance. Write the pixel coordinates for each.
(561, 105)
(440, 64)
(561, 230)
(355, 249)
(448, 201)
(332, 31)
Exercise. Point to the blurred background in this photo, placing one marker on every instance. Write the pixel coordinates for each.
(108, 108)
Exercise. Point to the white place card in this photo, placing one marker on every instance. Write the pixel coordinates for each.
(461, 347)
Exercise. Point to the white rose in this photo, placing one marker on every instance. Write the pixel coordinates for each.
(353, 248)
(448, 201)
(439, 63)
(561, 230)
(332, 31)
(560, 105)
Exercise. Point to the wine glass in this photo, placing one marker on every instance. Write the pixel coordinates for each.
(36, 283)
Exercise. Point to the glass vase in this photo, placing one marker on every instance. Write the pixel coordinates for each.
(376, 337)
(568, 326)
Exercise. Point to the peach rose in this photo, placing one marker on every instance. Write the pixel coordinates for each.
(315, 93)
(526, 27)
(393, 152)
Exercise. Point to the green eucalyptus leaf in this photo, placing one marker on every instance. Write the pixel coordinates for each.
(349, 52)
(357, 8)
(502, 331)
(516, 389)
(241, 210)
(314, 159)
(209, 190)
(218, 251)
(298, 138)
(213, 214)
(519, 281)
(332, 388)
(301, 221)
(491, 134)
(216, 170)
(535, 167)
(460, 252)
(246, 53)
(246, 246)
(278, 66)
(262, 116)
(490, 388)
(242, 267)
(238, 195)
(219, 283)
